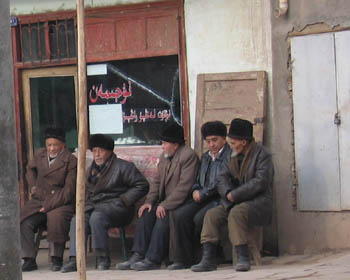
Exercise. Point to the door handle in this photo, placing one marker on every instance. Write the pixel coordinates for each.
(337, 120)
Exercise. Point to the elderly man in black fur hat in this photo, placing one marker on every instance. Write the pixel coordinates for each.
(245, 187)
(189, 217)
(177, 169)
(51, 178)
(113, 186)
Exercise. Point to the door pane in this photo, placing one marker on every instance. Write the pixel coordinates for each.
(316, 135)
(53, 104)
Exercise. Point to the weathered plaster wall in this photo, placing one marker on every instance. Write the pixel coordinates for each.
(300, 231)
(20, 7)
(226, 36)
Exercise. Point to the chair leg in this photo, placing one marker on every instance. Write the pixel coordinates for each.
(39, 237)
(123, 240)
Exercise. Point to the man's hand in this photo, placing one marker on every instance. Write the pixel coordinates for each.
(229, 197)
(33, 190)
(161, 212)
(196, 196)
(42, 210)
(143, 208)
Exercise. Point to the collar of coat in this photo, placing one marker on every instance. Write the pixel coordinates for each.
(240, 172)
(103, 176)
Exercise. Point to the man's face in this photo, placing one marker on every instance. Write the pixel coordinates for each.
(237, 146)
(100, 155)
(169, 148)
(54, 147)
(215, 143)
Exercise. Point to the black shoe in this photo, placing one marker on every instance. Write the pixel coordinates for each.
(208, 261)
(29, 265)
(243, 258)
(136, 257)
(70, 266)
(146, 264)
(177, 266)
(103, 262)
(57, 263)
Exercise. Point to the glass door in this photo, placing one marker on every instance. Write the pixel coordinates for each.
(50, 98)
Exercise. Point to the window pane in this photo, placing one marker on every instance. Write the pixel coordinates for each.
(147, 89)
(53, 104)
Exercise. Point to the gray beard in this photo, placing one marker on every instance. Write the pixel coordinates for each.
(234, 153)
(166, 155)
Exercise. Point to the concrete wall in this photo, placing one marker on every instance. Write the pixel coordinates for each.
(226, 36)
(9, 206)
(301, 231)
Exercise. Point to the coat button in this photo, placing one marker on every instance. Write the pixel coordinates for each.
(52, 192)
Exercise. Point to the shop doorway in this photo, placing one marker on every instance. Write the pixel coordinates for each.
(49, 98)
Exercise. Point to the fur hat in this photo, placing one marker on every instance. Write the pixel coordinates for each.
(173, 133)
(55, 132)
(241, 129)
(216, 128)
(102, 141)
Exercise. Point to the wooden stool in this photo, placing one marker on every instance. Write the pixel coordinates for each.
(255, 241)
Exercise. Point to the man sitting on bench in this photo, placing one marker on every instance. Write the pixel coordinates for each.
(245, 187)
(113, 186)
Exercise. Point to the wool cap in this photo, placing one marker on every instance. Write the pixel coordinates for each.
(241, 129)
(173, 133)
(101, 141)
(214, 128)
(55, 132)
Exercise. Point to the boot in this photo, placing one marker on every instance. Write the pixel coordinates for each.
(29, 264)
(56, 263)
(103, 262)
(243, 258)
(208, 261)
(70, 266)
(136, 257)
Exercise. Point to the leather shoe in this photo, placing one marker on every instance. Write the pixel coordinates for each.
(29, 265)
(146, 264)
(56, 263)
(70, 266)
(177, 266)
(103, 262)
(136, 257)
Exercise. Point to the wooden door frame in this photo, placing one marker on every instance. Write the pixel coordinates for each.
(37, 73)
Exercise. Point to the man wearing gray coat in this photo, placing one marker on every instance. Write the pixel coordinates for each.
(245, 187)
(113, 186)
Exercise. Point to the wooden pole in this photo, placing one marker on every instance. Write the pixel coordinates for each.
(82, 144)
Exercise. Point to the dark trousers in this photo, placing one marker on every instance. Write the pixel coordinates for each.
(152, 236)
(28, 229)
(188, 226)
(97, 224)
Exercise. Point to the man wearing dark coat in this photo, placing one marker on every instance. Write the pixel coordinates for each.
(189, 217)
(51, 177)
(112, 188)
(245, 187)
(177, 169)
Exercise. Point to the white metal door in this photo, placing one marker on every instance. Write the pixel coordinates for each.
(316, 135)
(342, 43)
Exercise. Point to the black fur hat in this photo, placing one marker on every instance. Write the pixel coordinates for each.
(241, 129)
(173, 133)
(215, 128)
(102, 141)
(55, 132)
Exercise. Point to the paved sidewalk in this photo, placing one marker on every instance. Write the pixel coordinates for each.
(332, 265)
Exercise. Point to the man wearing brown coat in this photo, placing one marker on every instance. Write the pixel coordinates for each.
(245, 188)
(51, 178)
(176, 175)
